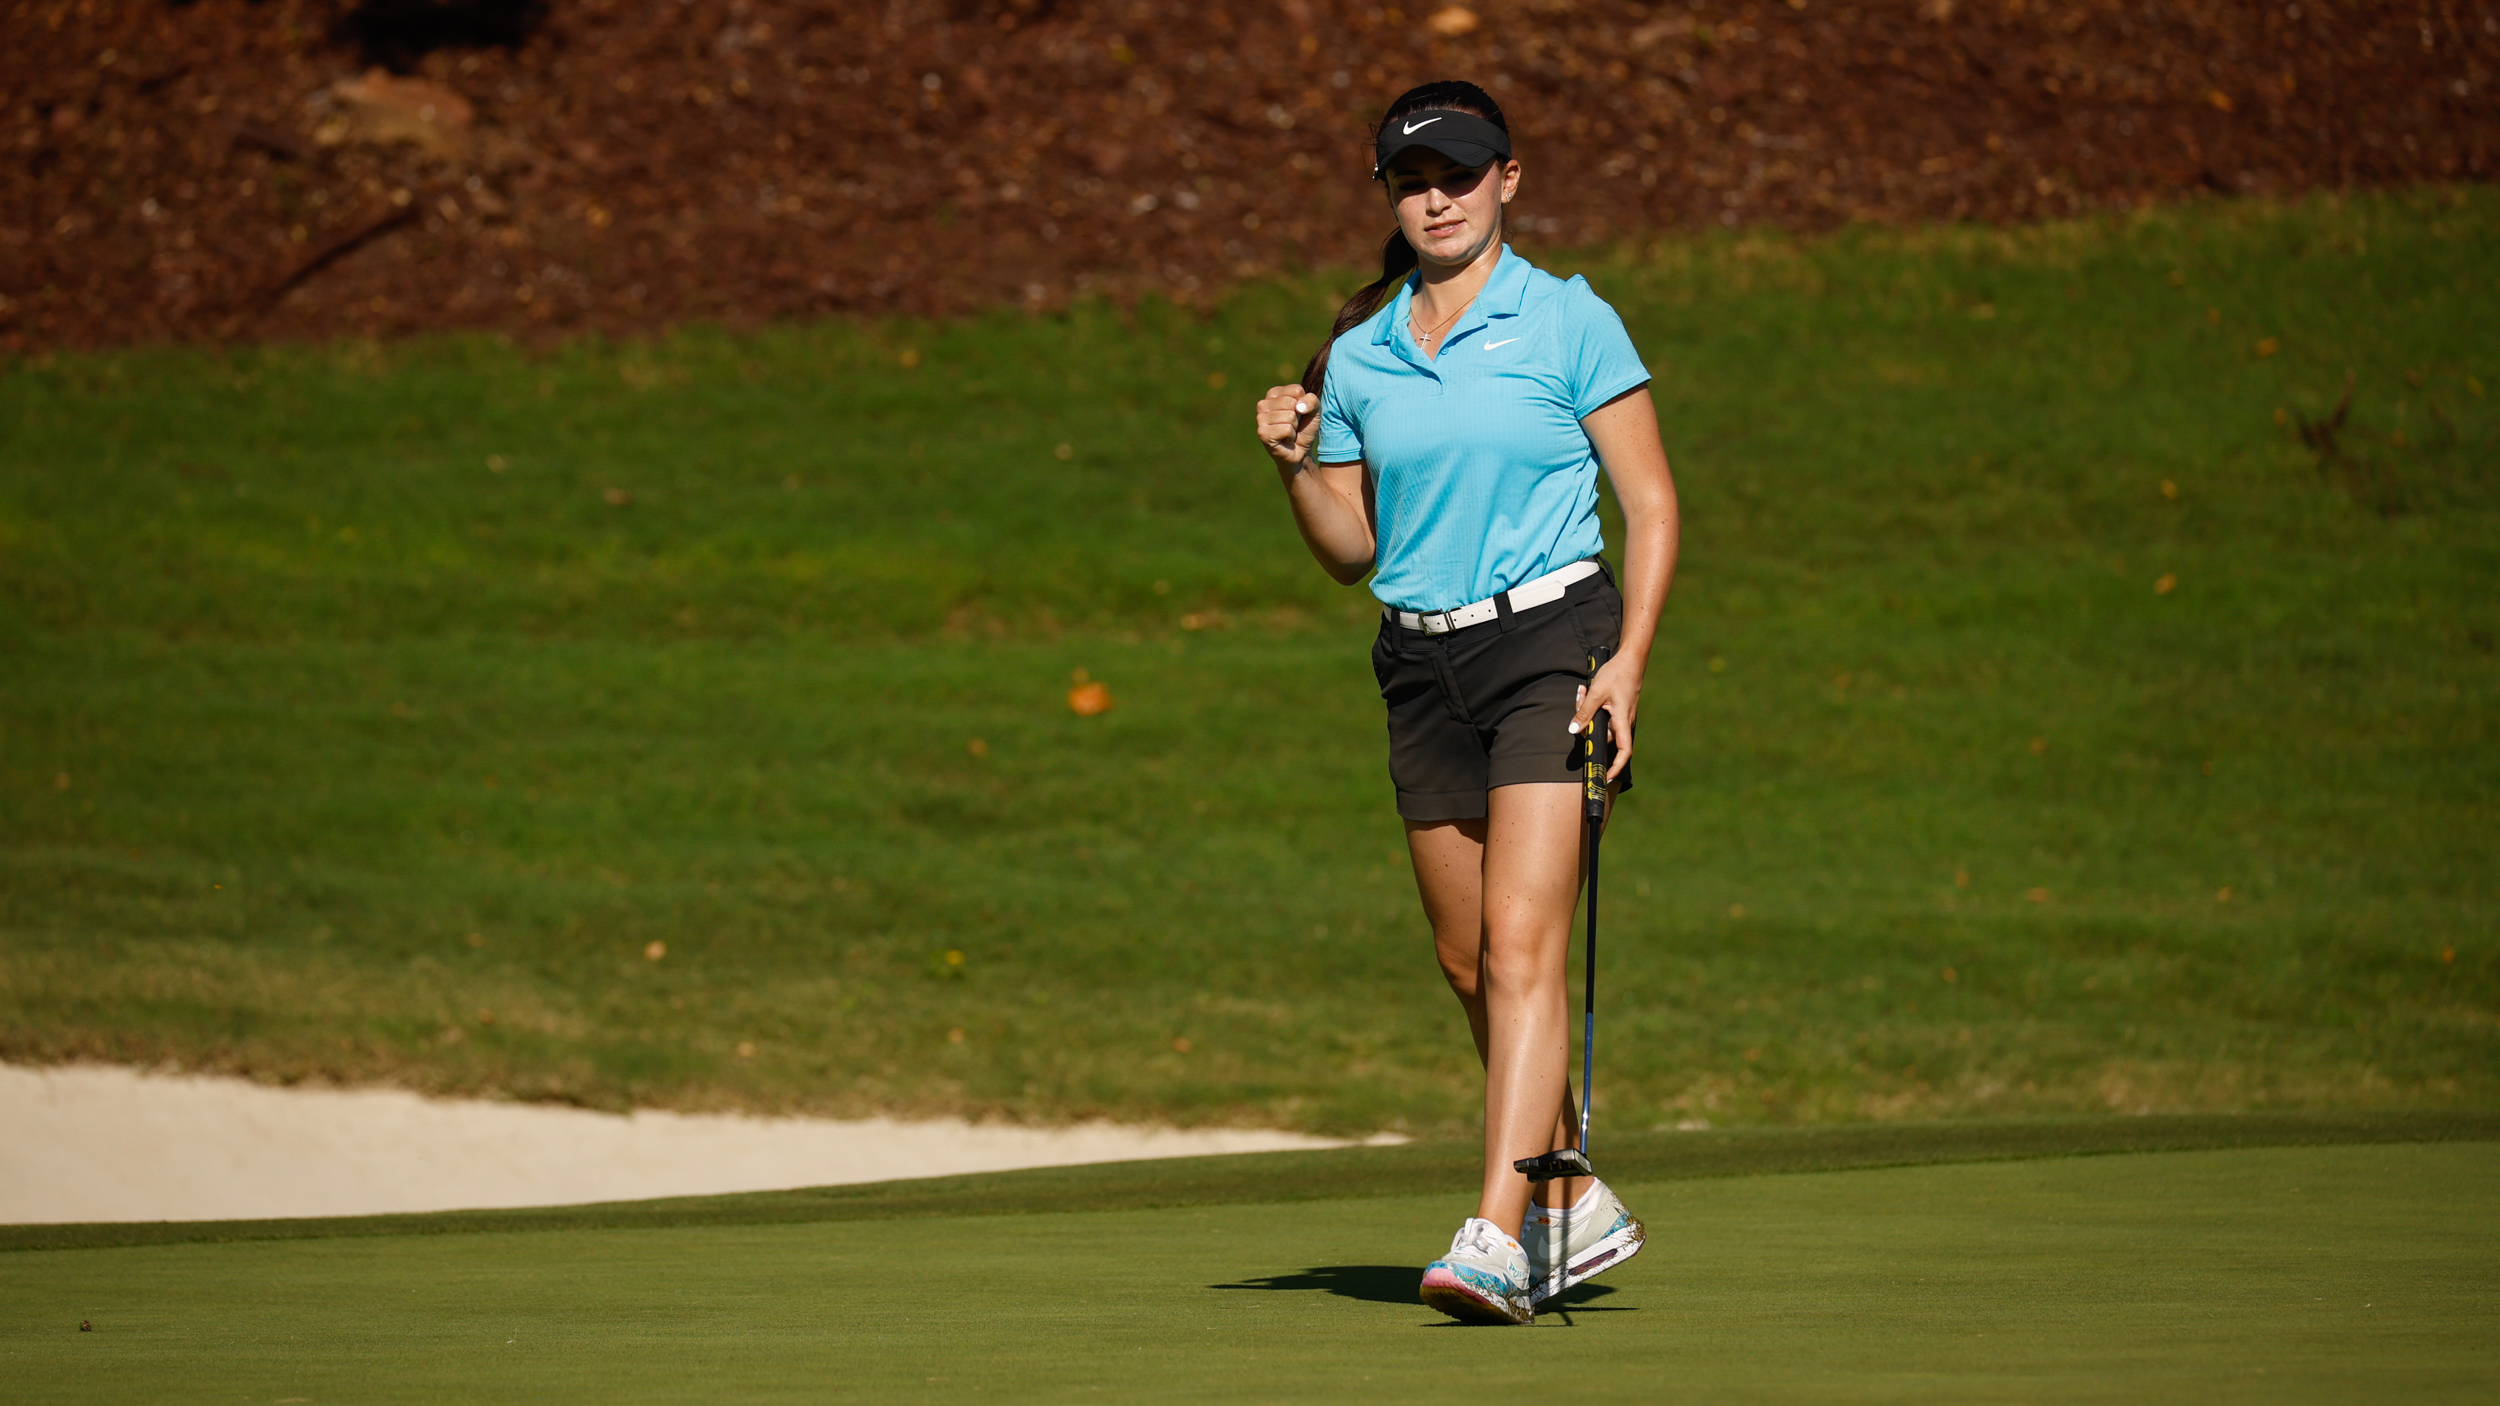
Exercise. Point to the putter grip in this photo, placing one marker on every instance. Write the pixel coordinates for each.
(1597, 748)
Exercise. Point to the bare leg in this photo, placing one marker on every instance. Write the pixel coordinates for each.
(1504, 959)
(1531, 879)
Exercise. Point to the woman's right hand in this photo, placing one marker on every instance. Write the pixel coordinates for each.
(1289, 425)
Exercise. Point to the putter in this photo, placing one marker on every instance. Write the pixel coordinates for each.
(1597, 753)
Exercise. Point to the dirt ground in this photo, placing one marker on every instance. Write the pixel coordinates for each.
(303, 168)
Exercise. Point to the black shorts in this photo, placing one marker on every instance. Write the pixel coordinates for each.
(1486, 706)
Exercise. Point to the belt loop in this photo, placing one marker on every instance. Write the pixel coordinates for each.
(1503, 612)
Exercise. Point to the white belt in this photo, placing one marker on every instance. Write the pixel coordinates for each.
(1543, 590)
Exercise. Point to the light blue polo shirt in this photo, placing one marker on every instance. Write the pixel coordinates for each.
(1482, 477)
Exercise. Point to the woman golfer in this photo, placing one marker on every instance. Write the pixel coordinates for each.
(1447, 440)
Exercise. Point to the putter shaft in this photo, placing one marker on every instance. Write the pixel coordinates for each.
(1601, 755)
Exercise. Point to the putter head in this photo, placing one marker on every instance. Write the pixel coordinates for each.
(1554, 1166)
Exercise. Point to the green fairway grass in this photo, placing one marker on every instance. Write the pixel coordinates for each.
(2039, 723)
(2289, 1274)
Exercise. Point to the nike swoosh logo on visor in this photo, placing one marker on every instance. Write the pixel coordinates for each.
(1413, 127)
(1506, 341)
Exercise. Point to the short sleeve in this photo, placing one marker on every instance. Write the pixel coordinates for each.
(1598, 351)
(1340, 439)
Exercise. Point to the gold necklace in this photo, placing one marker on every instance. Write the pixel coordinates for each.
(1442, 325)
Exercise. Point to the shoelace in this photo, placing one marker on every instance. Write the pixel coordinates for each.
(1480, 1238)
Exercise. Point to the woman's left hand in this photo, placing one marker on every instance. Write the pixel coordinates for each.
(1616, 689)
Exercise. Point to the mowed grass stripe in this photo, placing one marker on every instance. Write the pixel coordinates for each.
(1279, 1178)
(2297, 1275)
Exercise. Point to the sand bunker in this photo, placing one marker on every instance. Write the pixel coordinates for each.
(86, 1143)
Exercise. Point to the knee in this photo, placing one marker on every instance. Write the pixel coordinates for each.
(1523, 961)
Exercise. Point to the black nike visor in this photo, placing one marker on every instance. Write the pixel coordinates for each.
(1461, 136)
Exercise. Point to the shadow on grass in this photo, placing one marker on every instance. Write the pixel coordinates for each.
(1372, 1283)
(1387, 1283)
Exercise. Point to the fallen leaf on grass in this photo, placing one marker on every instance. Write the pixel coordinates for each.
(655, 950)
(2166, 584)
(1089, 699)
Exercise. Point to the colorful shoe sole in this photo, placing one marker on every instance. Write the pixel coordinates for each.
(1448, 1289)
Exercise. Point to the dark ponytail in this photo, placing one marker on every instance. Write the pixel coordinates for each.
(1397, 257)
(1397, 260)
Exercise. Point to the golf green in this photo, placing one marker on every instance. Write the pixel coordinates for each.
(2276, 1274)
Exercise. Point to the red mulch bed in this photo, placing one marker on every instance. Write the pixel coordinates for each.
(181, 173)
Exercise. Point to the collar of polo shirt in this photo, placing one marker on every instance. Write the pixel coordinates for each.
(1503, 291)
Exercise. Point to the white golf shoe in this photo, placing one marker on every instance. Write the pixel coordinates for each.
(1593, 1236)
(1483, 1279)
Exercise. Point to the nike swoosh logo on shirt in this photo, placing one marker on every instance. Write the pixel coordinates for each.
(1506, 341)
(1413, 127)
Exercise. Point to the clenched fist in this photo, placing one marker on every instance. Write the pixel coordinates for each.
(1289, 425)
